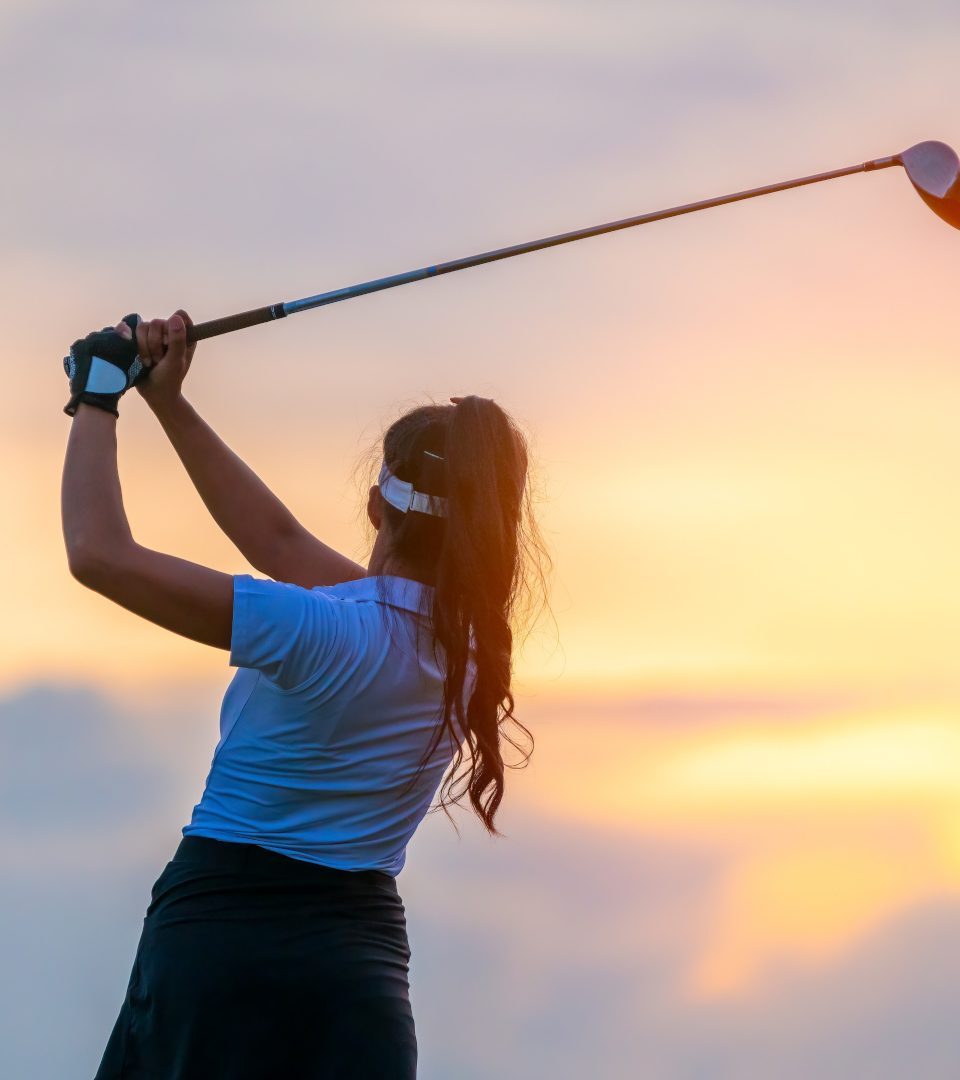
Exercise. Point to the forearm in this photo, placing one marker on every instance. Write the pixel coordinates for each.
(239, 501)
(95, 527)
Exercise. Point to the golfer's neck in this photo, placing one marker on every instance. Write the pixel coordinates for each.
(383, 563)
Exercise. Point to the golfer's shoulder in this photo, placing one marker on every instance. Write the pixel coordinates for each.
(353, 605)
(293, 634)
(264, 599)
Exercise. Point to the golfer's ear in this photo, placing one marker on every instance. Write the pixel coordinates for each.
(375, 507)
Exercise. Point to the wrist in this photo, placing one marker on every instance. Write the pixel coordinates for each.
(94, 414)
(168, 408)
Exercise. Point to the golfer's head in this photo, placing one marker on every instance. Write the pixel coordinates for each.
(473, 458)
(455, 513)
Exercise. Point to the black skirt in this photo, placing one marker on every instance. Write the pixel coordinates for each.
(253, 965)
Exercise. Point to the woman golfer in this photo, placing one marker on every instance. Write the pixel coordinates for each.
(275, 942)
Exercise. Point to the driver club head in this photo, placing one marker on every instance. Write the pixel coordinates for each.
(934, 170)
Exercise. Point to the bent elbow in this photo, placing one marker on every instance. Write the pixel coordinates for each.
(79, 565)
(85, 565)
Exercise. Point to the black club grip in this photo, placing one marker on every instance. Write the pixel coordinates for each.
(229, 323)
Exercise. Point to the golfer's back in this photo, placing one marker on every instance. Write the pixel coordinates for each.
(326, 722)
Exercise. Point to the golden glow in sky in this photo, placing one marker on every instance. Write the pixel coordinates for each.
(744, 421)
(826, 825)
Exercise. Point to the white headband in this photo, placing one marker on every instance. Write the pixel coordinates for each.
(400, 493)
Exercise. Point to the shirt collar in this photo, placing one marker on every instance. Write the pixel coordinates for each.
(400, 592)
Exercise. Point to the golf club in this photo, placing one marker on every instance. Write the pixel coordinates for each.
(932, 167)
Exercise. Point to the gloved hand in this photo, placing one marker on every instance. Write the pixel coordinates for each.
(102, 366)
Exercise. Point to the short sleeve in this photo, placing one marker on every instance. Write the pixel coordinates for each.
(287, 632)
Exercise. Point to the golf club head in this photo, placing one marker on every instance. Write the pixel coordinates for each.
(934, 170)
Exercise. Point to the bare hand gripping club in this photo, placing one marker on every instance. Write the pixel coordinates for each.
(932, 167)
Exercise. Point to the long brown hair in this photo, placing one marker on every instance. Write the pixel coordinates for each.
(488, 567)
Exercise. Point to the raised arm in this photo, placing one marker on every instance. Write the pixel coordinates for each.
(181, 596)
(258, 523)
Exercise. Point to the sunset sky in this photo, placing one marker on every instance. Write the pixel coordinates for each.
(746, 449)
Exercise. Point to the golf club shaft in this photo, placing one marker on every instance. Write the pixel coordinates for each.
(280, 310)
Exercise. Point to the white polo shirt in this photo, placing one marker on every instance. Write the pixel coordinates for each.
(325, 722)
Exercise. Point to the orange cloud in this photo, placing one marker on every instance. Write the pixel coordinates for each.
(824, 827)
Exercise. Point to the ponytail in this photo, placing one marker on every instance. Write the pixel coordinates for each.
(486, 562)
